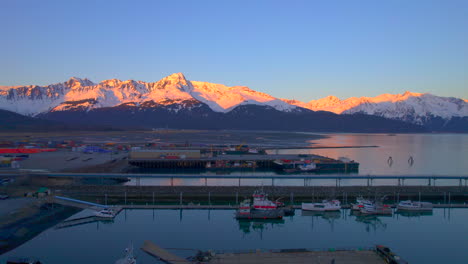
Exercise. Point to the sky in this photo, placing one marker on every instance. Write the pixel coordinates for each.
(294, 49)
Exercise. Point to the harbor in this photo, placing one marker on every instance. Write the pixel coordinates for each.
(337, 232)
(153, 203)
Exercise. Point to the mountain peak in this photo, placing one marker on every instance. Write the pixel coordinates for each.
(176, 77)
(176, 80)
(111, 82)
(408, 93)
(75, 82)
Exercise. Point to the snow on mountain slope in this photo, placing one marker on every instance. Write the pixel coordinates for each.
(410, 107)
(414, 108)
(221, 98)
(82, 94)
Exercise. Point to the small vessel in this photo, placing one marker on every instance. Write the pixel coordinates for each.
(324, 206)
(105, 213)
(371, 208)
(262, 208)
(128, 257)
(360, 201)
(414, 206)
(261, 201)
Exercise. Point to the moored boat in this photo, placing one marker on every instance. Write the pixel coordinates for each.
(105, 213)
(262, 208)
(261, 201)
(360, 201)
(414, 206)
(371, 208)
(324, 206)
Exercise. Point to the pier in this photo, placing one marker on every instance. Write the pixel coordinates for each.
(162, 254)
(185, 159)
(257, 256)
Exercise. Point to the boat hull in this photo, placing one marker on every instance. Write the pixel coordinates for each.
(380, 211)
(314, 207)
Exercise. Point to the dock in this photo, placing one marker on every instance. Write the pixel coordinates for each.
(299, 257)
(162, 254)
(294, 256)
(240, 161)
(80, 221)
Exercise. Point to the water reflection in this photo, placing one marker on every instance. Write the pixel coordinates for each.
(412, 214)
(371, 222)
(410, 153)
(258, 225)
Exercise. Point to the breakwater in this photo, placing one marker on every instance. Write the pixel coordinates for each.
(118, 194)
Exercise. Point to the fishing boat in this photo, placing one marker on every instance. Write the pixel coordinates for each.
(414, 206)
(371, 208)
(128, 257)
(261, 201)
(324, 206)
(247, 211)
(360, 201)
(262, 208)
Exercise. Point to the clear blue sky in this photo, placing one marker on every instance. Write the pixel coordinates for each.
(291, 49)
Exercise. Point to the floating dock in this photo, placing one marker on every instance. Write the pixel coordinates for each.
(295, 256)
(300, 257)
(162, 254)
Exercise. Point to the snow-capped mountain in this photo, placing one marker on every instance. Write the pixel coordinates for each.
(415, 108)
(82, 94)
(175, 93)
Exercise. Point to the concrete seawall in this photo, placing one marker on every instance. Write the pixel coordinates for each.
(233, 194)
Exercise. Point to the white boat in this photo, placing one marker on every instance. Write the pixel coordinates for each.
(370, 208)
(360, 201)
(324, 206)
(128, 258)
(414, 206)
(105, 213)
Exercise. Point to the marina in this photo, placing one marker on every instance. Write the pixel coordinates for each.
(104, 240)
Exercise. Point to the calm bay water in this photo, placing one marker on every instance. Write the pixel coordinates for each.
(433, 154)
(437, 238)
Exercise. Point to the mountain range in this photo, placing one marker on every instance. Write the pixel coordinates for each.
(177, 102)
